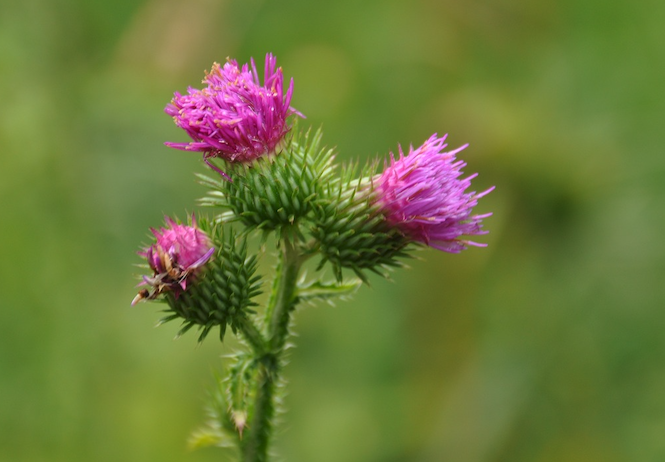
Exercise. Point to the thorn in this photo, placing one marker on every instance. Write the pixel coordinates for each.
(240, 421)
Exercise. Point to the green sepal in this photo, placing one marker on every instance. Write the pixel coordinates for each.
(351, 230)
(222, 292)
(274, 191)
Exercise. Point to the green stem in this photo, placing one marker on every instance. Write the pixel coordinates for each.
(278, 312)
(284, 300)
(255, 447)
(252, 334)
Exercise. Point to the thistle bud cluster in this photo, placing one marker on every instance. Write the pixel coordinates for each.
(271, 176)
(274, 177)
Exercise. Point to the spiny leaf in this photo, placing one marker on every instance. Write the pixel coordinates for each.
(320, 290)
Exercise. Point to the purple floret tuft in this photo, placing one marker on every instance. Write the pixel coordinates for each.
(179, 252)
(423, 195)
(234, 117)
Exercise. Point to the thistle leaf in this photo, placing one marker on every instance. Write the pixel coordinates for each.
(320, 290)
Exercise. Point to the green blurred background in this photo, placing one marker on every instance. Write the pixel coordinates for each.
(546, 346)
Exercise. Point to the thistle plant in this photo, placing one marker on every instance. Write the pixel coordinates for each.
(269, 177)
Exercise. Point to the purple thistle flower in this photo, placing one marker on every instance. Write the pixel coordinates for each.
(179, 252)
(423, 196)
(234, 117)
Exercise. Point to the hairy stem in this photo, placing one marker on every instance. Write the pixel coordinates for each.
(284, 300)
(255, 447)
(252, 335)
(278, 313)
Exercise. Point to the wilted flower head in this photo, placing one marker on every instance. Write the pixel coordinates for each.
(423, 196)
(179, 251)
(234, 117)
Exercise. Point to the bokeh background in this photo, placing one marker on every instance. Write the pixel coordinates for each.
(546, 346)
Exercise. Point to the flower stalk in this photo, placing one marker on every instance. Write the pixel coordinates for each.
(279, 311)
(255, 447)
(278, 318)
(252, 335)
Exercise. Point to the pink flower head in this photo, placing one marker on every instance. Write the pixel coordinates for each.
(234, 117)
(423, 196)
(179, 252)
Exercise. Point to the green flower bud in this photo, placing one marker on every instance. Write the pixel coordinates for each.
(222, 293)
(275, 191)
(351, 230)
